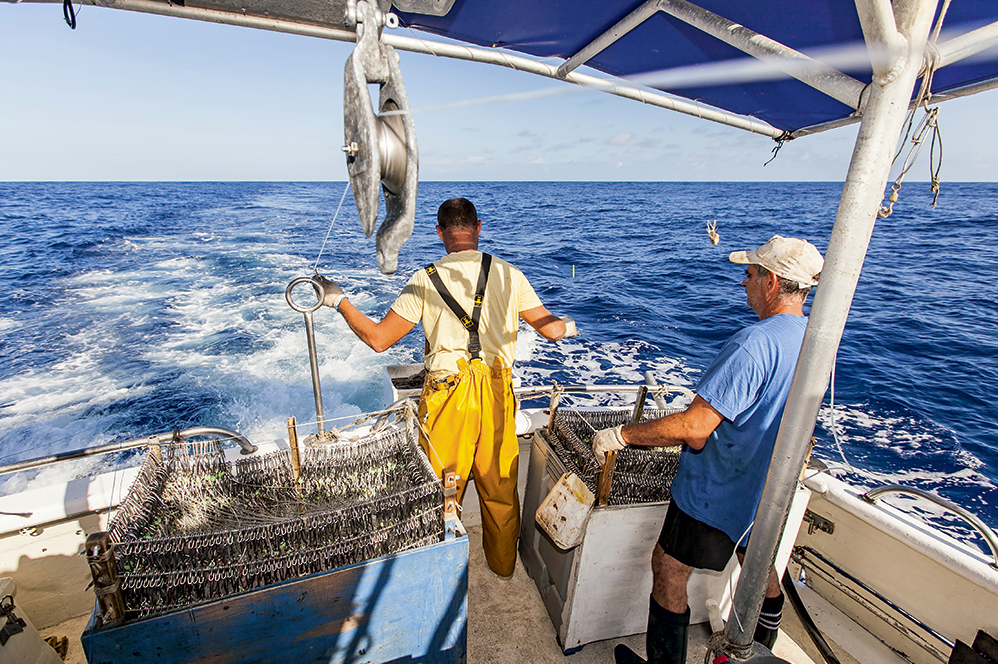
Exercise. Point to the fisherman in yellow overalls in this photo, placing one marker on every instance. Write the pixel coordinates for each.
(470, 304)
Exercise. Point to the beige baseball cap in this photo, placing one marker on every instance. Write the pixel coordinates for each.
(788, 257)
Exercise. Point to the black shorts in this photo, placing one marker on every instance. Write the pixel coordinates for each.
(693, 542)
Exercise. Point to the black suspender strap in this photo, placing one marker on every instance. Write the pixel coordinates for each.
(470, 322)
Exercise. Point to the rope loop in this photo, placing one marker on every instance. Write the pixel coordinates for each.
(929, 123)
(780, 142)
(69, 14)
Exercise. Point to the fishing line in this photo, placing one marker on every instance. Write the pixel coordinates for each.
(731, 587)
(426, 435)
(581, 417)
(831, 406)
(315, 268)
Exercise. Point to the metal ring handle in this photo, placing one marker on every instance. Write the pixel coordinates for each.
(969, 517)
(315, 284)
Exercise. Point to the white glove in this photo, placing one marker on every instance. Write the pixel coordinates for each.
(570, 329)
(607, 440)
(334, 294)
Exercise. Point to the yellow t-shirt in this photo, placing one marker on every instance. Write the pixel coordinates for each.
(507, 294)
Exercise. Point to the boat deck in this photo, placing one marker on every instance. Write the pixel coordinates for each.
(508, 621)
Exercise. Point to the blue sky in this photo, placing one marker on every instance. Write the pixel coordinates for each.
(135, 97)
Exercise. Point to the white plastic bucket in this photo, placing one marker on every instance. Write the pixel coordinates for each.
(565, 511)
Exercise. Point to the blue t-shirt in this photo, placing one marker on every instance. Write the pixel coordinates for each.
(748, 383)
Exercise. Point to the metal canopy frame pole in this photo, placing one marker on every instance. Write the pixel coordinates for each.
(819, 76)
(623, 26)
(967, 44)
(453, 51)
(861, 198)
(885, 45)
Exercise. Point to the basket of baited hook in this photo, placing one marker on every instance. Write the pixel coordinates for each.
(609, 563)
(640, 475)
(196, 528)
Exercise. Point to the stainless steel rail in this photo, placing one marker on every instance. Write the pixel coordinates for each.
(653, 391)
(160, 438)
(807, 556)
(978, 525)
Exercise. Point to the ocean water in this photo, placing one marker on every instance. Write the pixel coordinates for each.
(128, 309)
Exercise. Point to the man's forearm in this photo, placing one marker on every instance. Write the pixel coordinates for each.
(378, 336)
(665, 432)
(691, 427)
(552, 328)
(361, 325)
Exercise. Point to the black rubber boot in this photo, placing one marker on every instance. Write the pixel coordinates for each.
(665, 640)
(667, 632)
(624, 655)
(769, 621)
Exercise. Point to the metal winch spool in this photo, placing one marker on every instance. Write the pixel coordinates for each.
(381, 150)
(641, 475)
(391, 149)
(195, 528)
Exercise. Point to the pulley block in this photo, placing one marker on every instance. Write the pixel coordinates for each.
(380, 149)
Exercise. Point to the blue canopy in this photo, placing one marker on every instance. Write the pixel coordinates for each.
(560, 29)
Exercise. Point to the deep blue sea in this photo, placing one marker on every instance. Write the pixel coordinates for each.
(128, 309)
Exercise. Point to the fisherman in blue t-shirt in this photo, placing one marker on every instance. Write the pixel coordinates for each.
(729, 431)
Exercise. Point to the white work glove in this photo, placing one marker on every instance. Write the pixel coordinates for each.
(607, 440)
(334, 294)
(570, 329)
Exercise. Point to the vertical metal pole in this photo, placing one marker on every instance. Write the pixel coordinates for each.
(313, 359)
(883, 118)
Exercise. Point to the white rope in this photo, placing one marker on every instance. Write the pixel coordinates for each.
(426, 435)
(315, 268)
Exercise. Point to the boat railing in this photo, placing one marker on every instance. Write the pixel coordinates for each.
(556, 390)
(978, 525)
(652, 391)
(157, 439)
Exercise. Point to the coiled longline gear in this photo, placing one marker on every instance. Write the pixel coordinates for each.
(381, 150)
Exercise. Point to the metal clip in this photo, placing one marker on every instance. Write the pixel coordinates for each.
(381, 150)
(450, 492)
(14, 625)
(817, 522)
(100, 556)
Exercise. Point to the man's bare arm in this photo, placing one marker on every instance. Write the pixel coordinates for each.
(379, 336)
(690, 427)
(546, 323)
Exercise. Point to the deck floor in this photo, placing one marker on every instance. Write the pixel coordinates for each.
(508, 623)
